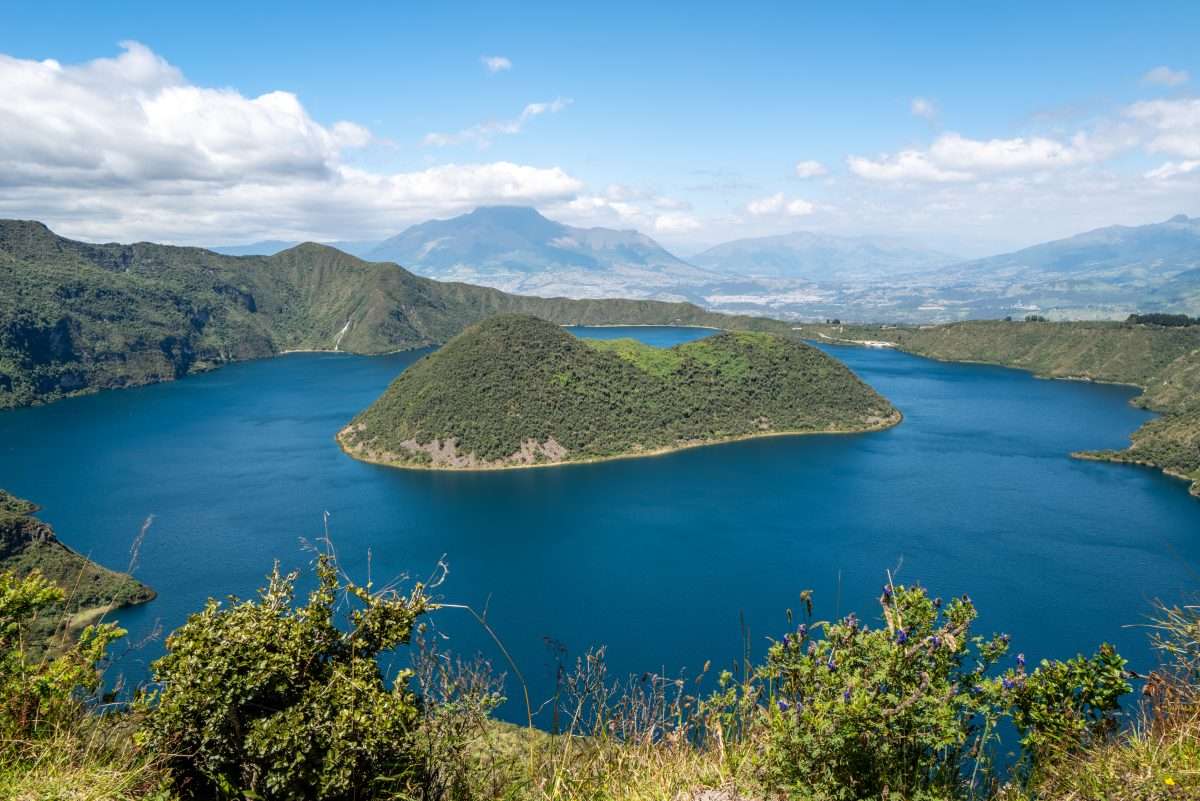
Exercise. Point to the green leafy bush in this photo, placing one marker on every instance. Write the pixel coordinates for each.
(910, 709)
(37, 696)
(1065, 706)
(264, 700)
(904, 708)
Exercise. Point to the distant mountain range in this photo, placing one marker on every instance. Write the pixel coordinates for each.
(820, 257)
(516, 249)
(1106, 273)
(1109, 272)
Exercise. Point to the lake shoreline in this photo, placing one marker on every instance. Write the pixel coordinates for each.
(890, 422)
(639, 325)
(1116, 457)
(1122, 457)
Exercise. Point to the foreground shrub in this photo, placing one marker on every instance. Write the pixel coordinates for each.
(1065, 706)
(36, 696)
(1156, 759)
(263, 700)
(862, 712)
(53, 742)
(910, 709)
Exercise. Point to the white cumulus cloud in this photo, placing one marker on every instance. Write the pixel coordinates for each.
(1165, 76)
(1174, 125)
(127, 147)
(627, 207)
(953, 158)
(907, 165)
(809, 169)
(779, 204)
(999, 155)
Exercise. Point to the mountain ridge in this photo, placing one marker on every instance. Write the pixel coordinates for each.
(815, 256)
(1105, 247)
(77, 317)
(516, 248)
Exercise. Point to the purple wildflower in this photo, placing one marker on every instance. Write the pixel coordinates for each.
(1021, 660)
(1008, 683)
(831, 663)
(783, 705)
(846, 696)
(802, 631)
(901, 636)
(887, 591)
(786, 641)
(937, 641)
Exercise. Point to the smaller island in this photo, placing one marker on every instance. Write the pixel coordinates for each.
(518, 391)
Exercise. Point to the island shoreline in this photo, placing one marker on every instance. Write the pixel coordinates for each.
(896, 420)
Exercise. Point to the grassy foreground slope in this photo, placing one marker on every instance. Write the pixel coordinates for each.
(78, 317)
(516, 390)
(277, 699)
(1163, 361)
(27, 544)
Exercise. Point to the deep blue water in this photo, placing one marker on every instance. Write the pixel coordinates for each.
(657, 557)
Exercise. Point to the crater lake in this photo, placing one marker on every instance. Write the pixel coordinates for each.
(660, 559)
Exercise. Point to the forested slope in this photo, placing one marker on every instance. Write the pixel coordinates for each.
(516, 390)
(28, 544)
(76, 317)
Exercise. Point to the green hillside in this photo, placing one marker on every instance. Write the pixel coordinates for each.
(28, 544)
(515, 391)
(77, 317)
(1163, 360)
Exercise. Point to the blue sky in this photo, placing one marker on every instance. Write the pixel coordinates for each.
(966, 128)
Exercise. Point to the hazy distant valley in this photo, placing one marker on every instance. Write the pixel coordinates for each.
(1103, 274)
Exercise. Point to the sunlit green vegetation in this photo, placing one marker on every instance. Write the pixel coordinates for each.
(78, 317)
(274, 699)
(29, 546)
(515, 382)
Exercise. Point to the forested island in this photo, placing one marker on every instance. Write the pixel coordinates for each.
(517, 391)
(1158, 353)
